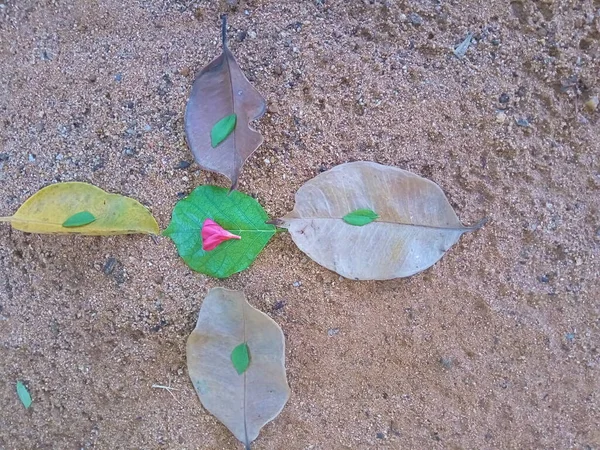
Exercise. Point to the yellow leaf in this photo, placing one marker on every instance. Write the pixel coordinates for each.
(46, 211)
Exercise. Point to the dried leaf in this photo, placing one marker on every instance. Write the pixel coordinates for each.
(220, 91)
(462, 48)
(80, 219)
(66, 207)
(218, 254)
(24, 395)
(416, 224)
(243, 401)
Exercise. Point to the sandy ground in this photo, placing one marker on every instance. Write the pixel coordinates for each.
(496, 346)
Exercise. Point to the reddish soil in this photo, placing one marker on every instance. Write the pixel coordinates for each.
(496, 346)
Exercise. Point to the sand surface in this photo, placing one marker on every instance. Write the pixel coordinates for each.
(496, 346)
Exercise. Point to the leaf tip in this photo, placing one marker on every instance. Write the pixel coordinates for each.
(479, 224)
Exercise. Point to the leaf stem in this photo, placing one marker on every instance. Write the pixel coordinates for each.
(224, 29)
(6, 219)
(479, 224)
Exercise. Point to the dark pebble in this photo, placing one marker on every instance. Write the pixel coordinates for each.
(92, 78)
(504, 98)
(129, 105)
(278, 305)
(4, 156)
(181, 194)
(118, 77)
(156, 328)
(415, 19)
(544, 278)
(380, 436)
(446, 362)
(128, 151)
(523, 122)
(241, 36)
(183, 165)
(109, 266)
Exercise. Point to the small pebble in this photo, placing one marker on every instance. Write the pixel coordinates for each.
(380, 435)
(147, 128)
(500, 117)
(522, 122)
(184, 72)
(544, 278)
(333, 331)
(4, 156)
(415, 19)
(252, 34)
(118, 77)
(592, 104)
(241, 36)
(59, 157)
(504, 98)
(31, 157)
(109, 266)
(297, 284)
(92, 78)
(272, 109)
(183, 165)
(277, 70)
(128, 151)
(267, 162)
(446, 362)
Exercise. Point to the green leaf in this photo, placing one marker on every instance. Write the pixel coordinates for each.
(222, 129)
(360, 217)
(240, 357)
(23, 394)
(237, 213)
(80, 219)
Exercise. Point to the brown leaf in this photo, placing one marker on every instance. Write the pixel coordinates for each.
(221, 89)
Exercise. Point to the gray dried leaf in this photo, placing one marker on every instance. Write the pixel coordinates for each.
(243, 400)
(415, 225)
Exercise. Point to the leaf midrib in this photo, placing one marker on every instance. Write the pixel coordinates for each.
(463, 228)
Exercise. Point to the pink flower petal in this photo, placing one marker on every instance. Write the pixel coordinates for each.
(213, 235)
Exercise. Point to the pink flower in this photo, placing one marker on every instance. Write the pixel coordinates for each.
(213, 234)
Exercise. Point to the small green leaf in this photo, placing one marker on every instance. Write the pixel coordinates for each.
(23, 394)
(222, 129)
(80, 219)
(360, 217)
(240, 357)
